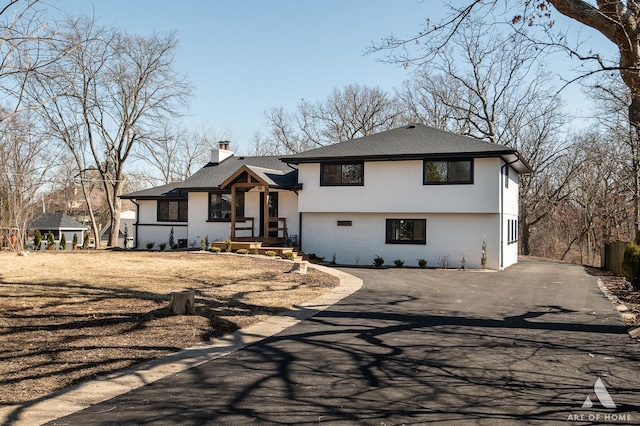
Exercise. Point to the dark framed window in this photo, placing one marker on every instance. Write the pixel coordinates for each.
(406, 231)
(220, 206)
(505, 174)
(512, 231)
(342, 174)
(172, 210)
(448, 171)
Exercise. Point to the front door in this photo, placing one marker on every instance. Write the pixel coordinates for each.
(273, 212)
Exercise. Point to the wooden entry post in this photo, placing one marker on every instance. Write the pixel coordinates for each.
(266, 213)
(233, 212)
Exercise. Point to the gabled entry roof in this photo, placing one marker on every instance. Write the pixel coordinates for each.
(415, 141)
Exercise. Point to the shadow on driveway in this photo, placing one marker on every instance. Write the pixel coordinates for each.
(525, 345)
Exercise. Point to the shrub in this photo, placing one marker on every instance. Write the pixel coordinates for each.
(37, 239)
(162, 246)
(631, 264)
(51, 242)
(289, 255)
(270, 253)
(242, 251)
(74, 242)
(398, 263)
(228, 244)
(86, 241)
(172, 241)
(422, 263)
(463, 264)
(215, 249)
(150, 245)
(378, 261)
(63, 242)
(483, 257)
(315, 257)
(203, 244)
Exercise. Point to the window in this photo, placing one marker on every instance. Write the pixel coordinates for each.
(512, 231)
(505, 174)
(172, 211)
(220, 206)
(406, 231)
(341, 174)
(448, 171)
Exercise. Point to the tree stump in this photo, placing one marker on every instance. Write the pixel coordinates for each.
(183, 302)
(299, 268)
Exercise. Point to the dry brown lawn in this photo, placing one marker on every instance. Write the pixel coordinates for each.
(68, 316)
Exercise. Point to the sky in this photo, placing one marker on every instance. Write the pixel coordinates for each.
(244, 57)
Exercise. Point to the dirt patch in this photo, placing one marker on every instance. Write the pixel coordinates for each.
(66, 317)
(621, 289)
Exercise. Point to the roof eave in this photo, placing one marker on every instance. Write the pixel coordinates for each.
(399, 157)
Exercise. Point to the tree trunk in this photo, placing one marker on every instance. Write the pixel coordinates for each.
(182, 302)
(525, 235)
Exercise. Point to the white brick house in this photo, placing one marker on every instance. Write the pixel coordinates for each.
(409, 193)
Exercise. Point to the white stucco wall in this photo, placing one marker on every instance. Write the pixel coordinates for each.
(397, 186)
(148, 229)
(198, 225)
(449, 236)
(510, 212)
(220, 231)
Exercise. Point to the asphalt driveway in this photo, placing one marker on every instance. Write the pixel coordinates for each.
(526, 345)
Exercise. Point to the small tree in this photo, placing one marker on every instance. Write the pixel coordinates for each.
(63, 242)
(74, 243)
(51, 242)
(85, 242)
(37, 239)
(172, 241)
(483, 256)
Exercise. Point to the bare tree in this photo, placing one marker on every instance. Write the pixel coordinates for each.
(486, 84)
(25, 160)
(115, 88)
(352, 112)
(617, 20)
(175, 152)
(25, 36)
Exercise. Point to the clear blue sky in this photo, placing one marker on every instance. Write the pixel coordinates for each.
(245, 57)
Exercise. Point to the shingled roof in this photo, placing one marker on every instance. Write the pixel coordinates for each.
(275, 172)
(169, 191)
(415, 141)
(51, 221)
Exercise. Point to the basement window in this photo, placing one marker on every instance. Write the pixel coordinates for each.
(406, 231)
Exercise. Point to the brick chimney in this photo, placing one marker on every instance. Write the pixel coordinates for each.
(218, 155)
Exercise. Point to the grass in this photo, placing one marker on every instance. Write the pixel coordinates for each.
(68, 316)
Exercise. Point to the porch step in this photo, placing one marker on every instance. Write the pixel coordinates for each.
(256, 246)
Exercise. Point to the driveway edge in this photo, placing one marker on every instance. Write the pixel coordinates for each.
(75, 398)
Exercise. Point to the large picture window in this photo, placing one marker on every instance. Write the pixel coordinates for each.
(220, 206)
(448, 171)
(172, 210)
(406, 231)
(344, 174)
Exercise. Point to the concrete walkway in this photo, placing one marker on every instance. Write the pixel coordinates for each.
(523, 346)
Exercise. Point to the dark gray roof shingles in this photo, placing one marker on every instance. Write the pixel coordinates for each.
(55, 221)
(412, 140)
(213, 174)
